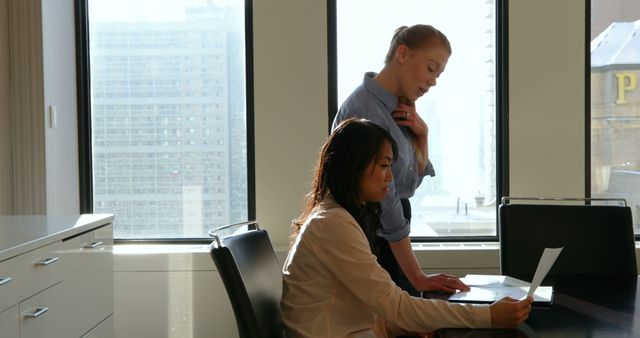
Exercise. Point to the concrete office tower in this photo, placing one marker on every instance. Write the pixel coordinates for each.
(168, 123)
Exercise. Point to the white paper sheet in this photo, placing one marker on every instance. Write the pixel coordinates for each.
(492, 280)
(549, 257)
(490, 288)
(492, 293)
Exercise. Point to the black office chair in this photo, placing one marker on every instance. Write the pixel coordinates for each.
(252, 277)
(598, 240)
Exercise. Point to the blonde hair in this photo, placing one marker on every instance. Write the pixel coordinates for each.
(416, 37)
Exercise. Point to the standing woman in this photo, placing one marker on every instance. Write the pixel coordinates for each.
(416, 58)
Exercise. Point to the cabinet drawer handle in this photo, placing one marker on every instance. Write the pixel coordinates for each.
(47, 261)
(5, 280)
(93, 245)
(37, 313)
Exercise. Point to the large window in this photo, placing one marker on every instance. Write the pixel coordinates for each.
(615, 102)
(168, 115)
(460, 111)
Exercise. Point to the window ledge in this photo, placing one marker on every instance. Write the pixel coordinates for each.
(455, 257)
(463, 246)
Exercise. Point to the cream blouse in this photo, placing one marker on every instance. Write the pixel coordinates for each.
(334, 287)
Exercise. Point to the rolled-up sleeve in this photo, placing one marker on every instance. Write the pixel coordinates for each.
(430, 170)
(394, 226)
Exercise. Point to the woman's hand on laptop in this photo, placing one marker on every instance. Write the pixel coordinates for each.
(442, 282)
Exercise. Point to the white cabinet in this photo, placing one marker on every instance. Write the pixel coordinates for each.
(42, 315)
(61, 286)
(88, 279)
(9, 322)
(106, 329)
(33, 295)
(29, 274)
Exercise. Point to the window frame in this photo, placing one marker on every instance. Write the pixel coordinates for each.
(587, 100)
(83, 83)
(502, 106)
(587, 104)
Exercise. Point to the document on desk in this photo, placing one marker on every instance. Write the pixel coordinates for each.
(490, 288)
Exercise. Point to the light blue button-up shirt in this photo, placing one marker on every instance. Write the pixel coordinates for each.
(372, 102)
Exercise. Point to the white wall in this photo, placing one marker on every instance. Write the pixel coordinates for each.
(61, 143)
(291, 85)
(546, 98)
(39, 167)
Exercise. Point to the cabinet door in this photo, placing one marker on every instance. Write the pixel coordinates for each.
(29, 274)
(43, 315)
(106, 329)
(88, 278)
(9, 322)
(9, 291)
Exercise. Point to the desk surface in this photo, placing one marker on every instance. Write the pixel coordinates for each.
(22, 233)
(594, 307)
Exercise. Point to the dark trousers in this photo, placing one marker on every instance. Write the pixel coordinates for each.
(388, 261)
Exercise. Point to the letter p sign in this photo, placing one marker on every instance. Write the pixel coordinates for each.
(626, 81)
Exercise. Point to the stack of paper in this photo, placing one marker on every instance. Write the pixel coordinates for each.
(489, 288)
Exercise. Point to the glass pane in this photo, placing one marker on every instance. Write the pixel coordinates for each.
(460, 110)
(168, 115)
(615, 102)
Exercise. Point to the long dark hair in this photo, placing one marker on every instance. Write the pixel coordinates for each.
(343, 159)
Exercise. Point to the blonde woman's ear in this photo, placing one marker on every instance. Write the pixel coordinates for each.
(401, 53)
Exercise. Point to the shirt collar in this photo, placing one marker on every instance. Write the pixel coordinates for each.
(389, 100)
(328, 202)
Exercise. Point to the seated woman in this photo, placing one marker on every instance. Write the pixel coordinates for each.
(333, 286)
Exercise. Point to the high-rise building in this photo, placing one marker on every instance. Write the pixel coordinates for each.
(168, 123)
